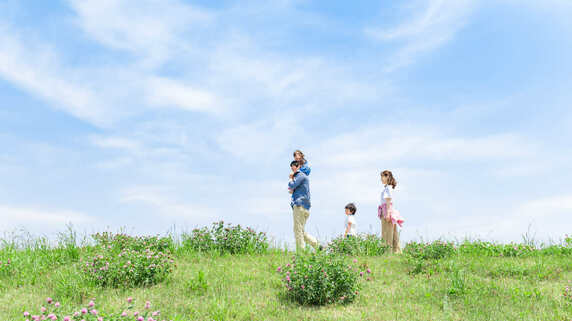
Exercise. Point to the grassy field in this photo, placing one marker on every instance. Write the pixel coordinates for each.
(208, 286)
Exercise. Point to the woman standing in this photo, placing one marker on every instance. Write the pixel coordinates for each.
(389, 216)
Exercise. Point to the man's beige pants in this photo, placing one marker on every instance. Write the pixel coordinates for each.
(391, 236)
(300, 217)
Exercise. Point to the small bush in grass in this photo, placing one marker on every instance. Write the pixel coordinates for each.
(55, 311)
(429, 251)
(362, 244)
(321, 278)
(118, 242)
(128, 268)
(129, 261)
(226, 239)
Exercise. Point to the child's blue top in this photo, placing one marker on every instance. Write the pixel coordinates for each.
(306, 169)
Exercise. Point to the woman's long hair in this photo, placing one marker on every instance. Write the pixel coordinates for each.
(390, 179)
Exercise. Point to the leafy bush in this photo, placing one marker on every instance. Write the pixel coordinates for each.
(118, 242)
(54, 311)
(226, 239)
(429, 251)
(127, 261)
(363, 244)
(322, 278)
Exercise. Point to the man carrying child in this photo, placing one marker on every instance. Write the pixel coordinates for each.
(299, 186)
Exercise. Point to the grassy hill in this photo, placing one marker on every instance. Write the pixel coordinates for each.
(472, 281)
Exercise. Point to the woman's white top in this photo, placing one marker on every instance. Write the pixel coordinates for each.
(353, 227)
(386, 193)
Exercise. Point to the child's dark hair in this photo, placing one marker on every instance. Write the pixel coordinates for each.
(390, 180)
(295, 163)
(352, 208)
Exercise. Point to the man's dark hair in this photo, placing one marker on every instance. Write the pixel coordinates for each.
(295, 163)
(352, 208)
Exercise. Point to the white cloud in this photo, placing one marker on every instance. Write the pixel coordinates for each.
(162, 200)
(38, 70)
(168, 92)
(149, 29)
(434, 24)
(374, 145)
(36, 218)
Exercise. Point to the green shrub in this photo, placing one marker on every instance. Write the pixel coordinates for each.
(127, 261)
(226, 239)
(430, 251)
(118, 242)
(322, 278)
(363, 244)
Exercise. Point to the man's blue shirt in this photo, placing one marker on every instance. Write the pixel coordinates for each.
(301, 187)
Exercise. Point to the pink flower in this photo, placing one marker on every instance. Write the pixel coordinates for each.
(100, 319)
(140, 319)
(124, 314)
(94, 312)
(135, 313)
(84, 311)
(91, 304)
(156, 313)
(302, 286)
(43, 309)
(67, 318)
(26, 314)
(361, 274)
(147, 305)
(129, 299)
(355, 260)
(279, 269)
(49, 300)
(57, 304)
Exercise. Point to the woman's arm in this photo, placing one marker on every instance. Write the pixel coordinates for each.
(389, 208)
(348, 226)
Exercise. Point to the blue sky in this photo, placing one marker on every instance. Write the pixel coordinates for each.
(151, 114)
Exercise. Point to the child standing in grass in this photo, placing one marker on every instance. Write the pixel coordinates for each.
(389, 216)
(351, 226)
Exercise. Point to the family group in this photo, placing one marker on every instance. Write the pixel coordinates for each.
(299, 187)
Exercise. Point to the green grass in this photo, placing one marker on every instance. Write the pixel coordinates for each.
(203, 286)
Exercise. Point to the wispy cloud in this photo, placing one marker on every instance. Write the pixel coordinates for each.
(38, 70)
(34, 218)
(434, 23)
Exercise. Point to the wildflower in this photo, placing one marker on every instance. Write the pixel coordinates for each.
(279, 269)
(49, 300)
(360, 273)
(124, 314)
(302, 286)
(67, 318)
(368, 271)
(355, 260)
(147, 305)
(43, 309)
(57, 305)
(94, 312)
(26, 314)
